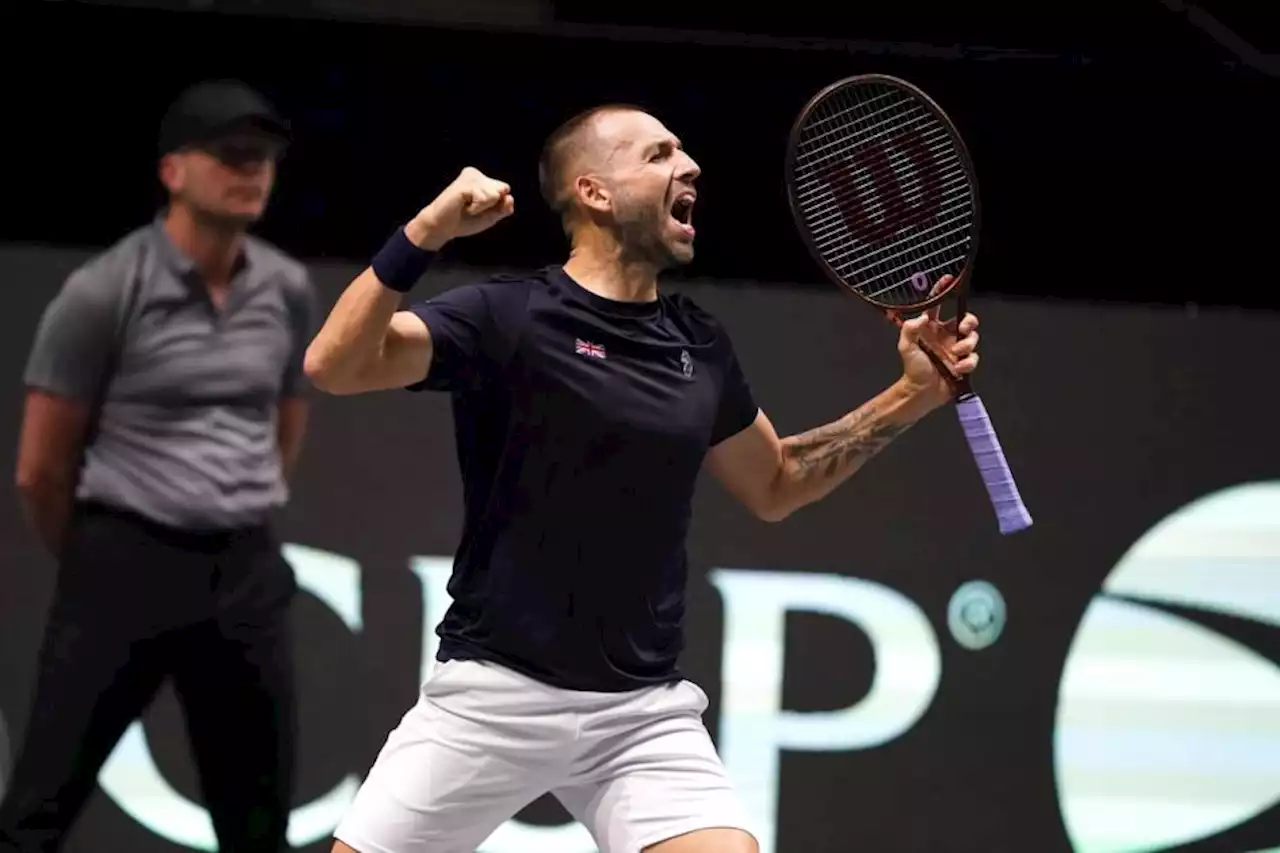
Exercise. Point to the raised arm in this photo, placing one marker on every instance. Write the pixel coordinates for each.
(368, 343)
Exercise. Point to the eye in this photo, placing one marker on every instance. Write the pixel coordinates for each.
(664, 152)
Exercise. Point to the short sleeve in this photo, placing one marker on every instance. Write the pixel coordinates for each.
(474, 329)
(738, 408)
(75, 337)
(304, 311)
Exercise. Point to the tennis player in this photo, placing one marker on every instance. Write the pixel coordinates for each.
(586, 402)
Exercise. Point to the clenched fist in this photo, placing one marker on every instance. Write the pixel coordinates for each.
(474, 202)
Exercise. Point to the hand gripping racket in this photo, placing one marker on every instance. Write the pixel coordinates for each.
(884, 195)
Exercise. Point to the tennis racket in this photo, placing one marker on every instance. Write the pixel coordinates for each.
(884, 195)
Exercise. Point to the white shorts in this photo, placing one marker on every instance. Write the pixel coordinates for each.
(483, 742)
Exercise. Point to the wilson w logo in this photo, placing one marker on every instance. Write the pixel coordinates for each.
(869, 191)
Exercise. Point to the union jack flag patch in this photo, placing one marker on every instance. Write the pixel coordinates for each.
(587, 348)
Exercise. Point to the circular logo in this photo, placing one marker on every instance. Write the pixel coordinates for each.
(976, 614)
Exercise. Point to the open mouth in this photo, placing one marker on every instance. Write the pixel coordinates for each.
(682, 210)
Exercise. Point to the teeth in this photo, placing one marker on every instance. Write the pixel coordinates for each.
(682, 207)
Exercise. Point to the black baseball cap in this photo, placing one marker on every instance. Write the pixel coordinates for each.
(213, 109)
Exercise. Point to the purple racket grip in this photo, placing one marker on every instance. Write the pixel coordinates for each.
(1010, 512)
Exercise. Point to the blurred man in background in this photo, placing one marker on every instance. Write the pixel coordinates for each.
(163, 415)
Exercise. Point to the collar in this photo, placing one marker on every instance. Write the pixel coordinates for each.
(603, 304)
(180, 262)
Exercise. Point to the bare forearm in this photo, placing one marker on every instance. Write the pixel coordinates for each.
(47, 508)
(290, 430)
(815, 462)
(290, 450)
(354, 332)
(354, 335)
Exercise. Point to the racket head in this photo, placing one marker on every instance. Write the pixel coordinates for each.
(883, 192)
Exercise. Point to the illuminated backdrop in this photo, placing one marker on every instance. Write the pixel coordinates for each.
(885, 671)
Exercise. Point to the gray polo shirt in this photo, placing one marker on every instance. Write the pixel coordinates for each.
(187, 430)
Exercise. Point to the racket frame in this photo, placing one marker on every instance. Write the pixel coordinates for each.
(959, 287)
(1011, 513)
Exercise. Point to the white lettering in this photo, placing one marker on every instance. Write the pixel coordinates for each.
(753, 727)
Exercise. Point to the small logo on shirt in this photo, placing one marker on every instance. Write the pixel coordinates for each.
(686, 364)
(587, 348)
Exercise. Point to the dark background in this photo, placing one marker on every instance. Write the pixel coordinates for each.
(1125, 288)
(1122, 153)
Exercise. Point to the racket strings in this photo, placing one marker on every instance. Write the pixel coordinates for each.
(883, 116)
(881, 120)
(883, 192)
(842, 181)
(931, 142)
(829, 230)
(875, 170)
(831, 142)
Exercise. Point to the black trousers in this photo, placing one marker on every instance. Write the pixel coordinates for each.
(137, 603)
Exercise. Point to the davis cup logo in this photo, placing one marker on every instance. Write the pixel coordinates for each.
(1167, 731)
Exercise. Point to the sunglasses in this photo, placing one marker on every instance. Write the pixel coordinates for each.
(242, 151)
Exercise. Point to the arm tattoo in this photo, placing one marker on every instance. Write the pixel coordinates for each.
(839, 446)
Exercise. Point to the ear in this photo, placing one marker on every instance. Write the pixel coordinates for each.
(171, 172)
(593, 194)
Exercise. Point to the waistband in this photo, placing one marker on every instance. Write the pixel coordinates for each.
(212, 536)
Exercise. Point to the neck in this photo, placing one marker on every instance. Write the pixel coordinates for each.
(599, 264)
(212, 247)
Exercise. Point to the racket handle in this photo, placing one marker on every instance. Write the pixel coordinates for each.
(1011, 514)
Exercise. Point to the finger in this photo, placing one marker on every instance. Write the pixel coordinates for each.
(482, 200)
(965, 345)
(500, 210)
(947, 326)
(912, 328)
(968, 324)
(496, 189)
(966, 365)
(939, 286)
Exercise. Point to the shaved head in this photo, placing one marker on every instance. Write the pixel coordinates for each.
(618, 177)
(575, 147)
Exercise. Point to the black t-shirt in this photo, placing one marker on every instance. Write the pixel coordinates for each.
(581, 425)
